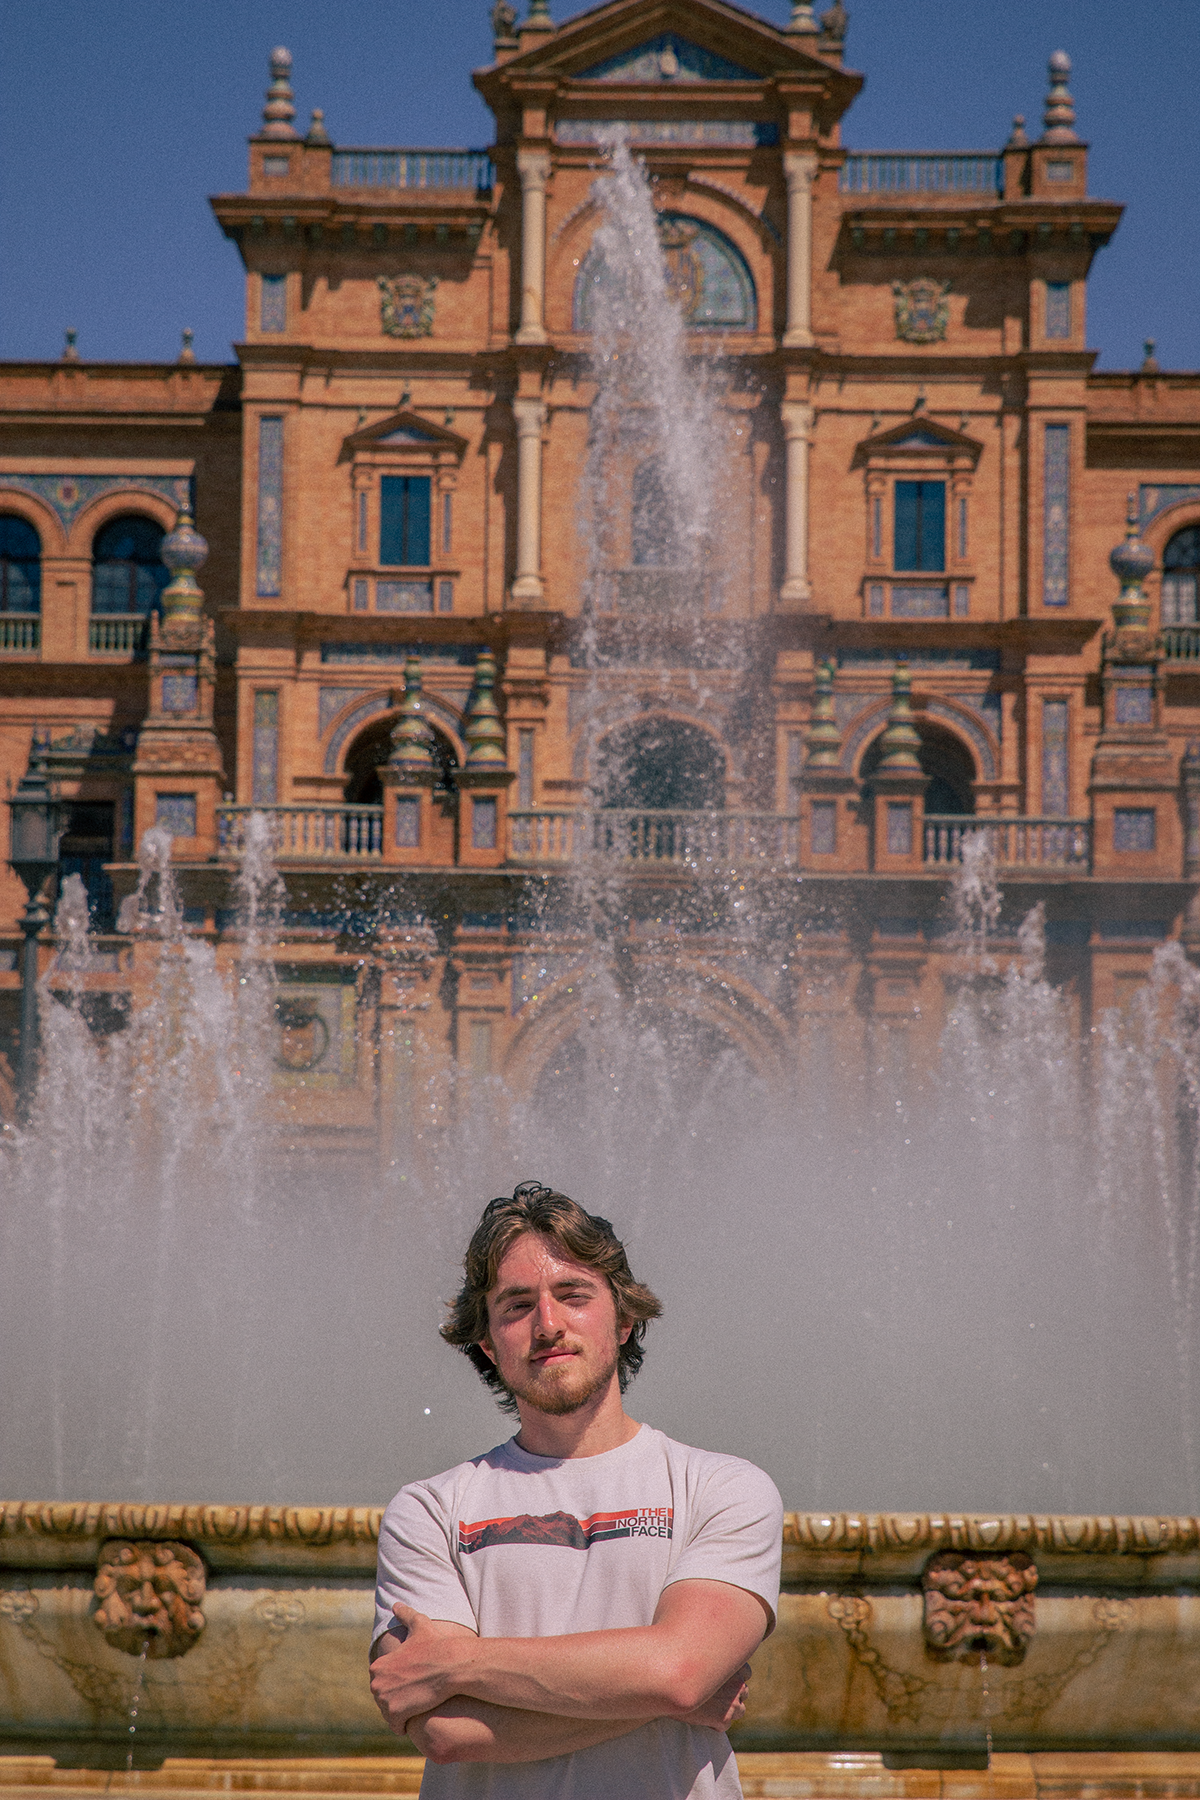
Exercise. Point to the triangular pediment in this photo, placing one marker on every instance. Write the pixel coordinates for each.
(705, 41)
(667, 57)
(919, 435)
(404, 431)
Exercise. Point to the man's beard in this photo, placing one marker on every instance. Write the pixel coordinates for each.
(546, 1395)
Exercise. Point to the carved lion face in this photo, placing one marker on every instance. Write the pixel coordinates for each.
(980, 1605)
(149, 1597)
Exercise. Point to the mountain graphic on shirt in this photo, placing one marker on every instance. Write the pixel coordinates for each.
(564, 1529)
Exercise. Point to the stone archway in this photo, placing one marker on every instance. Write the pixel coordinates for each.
(372, 747)
(945, 761)
(660, 764)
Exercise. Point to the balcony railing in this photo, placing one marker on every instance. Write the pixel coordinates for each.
(319, 833)
(470, 169)
(891, 172)
(20, 631)
(117, 633)
(1014, 843)
(1182, 643)
(683, 840)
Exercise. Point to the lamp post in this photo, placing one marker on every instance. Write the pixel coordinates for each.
(36, 830)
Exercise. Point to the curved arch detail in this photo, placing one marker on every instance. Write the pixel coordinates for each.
(706, 274)
(872, 721)
(346, 726)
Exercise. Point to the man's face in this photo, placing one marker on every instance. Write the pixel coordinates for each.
(553, 1332)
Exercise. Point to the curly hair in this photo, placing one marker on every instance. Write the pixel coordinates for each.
(584, 1237)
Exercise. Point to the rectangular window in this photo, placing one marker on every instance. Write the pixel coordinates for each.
(273, 307)
(962, 601)
(875, 600)
(899, 828)
(920, 603)
(1179, 600)
(408, 822)
(445, 596)
(962, 527)
(1056, 480)
(483, 823)
(1056, 789)
(404, 596)
(275, 165)
(876, 526)
(524, 768)
(270, 506)
(823, 827)
(481, 1046)
(362, 519)
(1058, 309)
(265, 758)
(404, 520)
(447, 522)
(1060, 171)
(360, 594)
(177, 813)
(1133, 706)
(920, 538)
(1133, 828)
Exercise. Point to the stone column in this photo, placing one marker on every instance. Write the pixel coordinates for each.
(533, 167)
(799, 168)
(797, 429)
(530, 414)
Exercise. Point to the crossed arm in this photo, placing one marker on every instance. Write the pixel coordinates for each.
(461, 1698)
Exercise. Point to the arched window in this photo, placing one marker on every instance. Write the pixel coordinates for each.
(706, 276)
(128, 573)
(20, 566)
(947, 764)
(371, 749)
(661, 765)
(655, 531)
(1181, 577)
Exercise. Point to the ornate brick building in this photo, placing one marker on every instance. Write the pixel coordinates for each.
(910, 624)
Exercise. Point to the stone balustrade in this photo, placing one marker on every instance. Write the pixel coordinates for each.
(884, 173)
(413, 169)
(319, 833)
(1014, 843)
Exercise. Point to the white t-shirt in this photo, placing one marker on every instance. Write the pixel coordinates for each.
(514, 1545)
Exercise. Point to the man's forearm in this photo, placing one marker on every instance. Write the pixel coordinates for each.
(643, 1672)
(472, 1731)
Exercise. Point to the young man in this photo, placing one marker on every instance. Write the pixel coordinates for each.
(569, 1616)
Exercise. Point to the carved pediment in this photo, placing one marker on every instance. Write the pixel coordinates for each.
(918, 437)
(404, 431)
(667, 57)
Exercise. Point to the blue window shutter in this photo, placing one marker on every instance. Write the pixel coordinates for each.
(933, 525)
(404, 520)
(418, 519)
(907, 542)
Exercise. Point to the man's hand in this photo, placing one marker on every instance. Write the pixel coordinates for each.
(414, 1676)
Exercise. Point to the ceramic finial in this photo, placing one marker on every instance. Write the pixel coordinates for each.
(280, 109)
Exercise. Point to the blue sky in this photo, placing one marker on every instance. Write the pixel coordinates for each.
(119, 117)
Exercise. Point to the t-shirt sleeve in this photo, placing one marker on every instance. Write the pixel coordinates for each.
(416, 1564)
(737, 1534)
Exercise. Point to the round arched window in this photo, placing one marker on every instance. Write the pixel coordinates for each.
(128, 573)
(20, 566)
(706, 276)
(1181, 574)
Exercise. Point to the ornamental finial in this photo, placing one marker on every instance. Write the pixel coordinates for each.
(901, 742)
(187, 339)
(1058, 124)
(411, 749)
(1018, 138)
(1131, 562)
(318, 137)
(823, 739)
(280, 109)
(802, 19)
(504, 24)
(834, 23)
(539, 15)
(484, 733)
(184, 551)
(69, 352)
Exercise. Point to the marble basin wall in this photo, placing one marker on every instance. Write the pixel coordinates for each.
(1112, 1659)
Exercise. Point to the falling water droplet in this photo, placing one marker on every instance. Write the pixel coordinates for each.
(133, 1707)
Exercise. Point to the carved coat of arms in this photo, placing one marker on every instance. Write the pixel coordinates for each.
(922, 310)
(406, 305)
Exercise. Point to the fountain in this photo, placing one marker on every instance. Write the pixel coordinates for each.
(967, 1286)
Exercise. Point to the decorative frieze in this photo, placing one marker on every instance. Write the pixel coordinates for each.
(1056, 516)
(270, 507)
(67, 495)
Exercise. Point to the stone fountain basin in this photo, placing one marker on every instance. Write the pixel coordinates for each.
(279, 1668)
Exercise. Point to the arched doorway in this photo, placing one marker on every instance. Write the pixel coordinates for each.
(662, 765)
(947, 764)
(372, 747)
(652, 1061)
